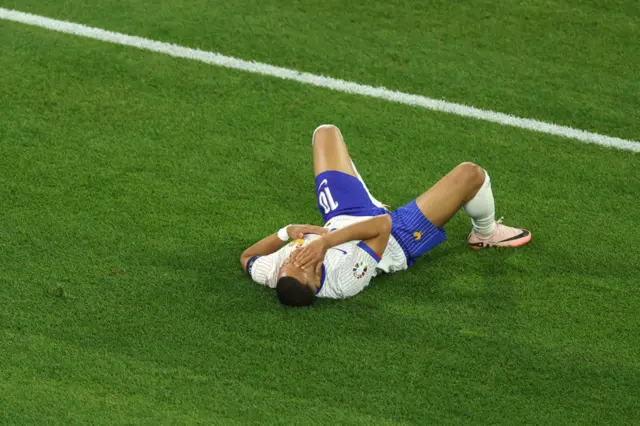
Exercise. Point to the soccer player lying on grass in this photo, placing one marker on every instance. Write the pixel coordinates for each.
(361, 238)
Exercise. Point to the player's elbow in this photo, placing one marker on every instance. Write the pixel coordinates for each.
(244, 259)
(386, 223)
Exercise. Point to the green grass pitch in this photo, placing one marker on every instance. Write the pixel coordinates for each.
(130, 182)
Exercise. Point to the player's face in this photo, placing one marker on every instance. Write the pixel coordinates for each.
(289, 270)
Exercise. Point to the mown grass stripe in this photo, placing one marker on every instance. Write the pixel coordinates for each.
(317, 80)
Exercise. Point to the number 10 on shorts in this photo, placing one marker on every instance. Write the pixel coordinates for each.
(325, 199)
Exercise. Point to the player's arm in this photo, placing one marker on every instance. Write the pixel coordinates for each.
(273, 242)
(373, 232)
(265, 246)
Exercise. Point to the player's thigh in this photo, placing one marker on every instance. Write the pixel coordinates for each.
(444, 199)
(330, 152)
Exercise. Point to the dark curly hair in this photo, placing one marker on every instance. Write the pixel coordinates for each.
(292, 292)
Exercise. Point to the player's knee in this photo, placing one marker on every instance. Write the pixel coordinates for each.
(326, 132)
(471, 174)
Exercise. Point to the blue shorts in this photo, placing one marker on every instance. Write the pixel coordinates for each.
(339, 194)
(414, 232)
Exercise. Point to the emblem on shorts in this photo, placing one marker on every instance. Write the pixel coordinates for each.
(417, 235)
(359, 270)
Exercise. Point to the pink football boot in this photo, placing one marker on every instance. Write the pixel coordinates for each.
(503, 236)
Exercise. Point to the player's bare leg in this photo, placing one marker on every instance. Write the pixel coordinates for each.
(468, 187)
(331, 153)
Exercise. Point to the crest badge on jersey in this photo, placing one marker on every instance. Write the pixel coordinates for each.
(359, 270)
(297, 243)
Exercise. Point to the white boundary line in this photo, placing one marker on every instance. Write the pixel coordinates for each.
(317, 80)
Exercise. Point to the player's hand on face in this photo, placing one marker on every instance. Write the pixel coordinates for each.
(310, 254)
(299, 231)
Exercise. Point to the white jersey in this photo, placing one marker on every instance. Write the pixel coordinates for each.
(347, 268)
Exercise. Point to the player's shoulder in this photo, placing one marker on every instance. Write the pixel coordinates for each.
(265, 261)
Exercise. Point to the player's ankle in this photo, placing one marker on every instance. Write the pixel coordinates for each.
(484, 228)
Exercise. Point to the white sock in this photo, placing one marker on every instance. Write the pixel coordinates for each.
(482, 209)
